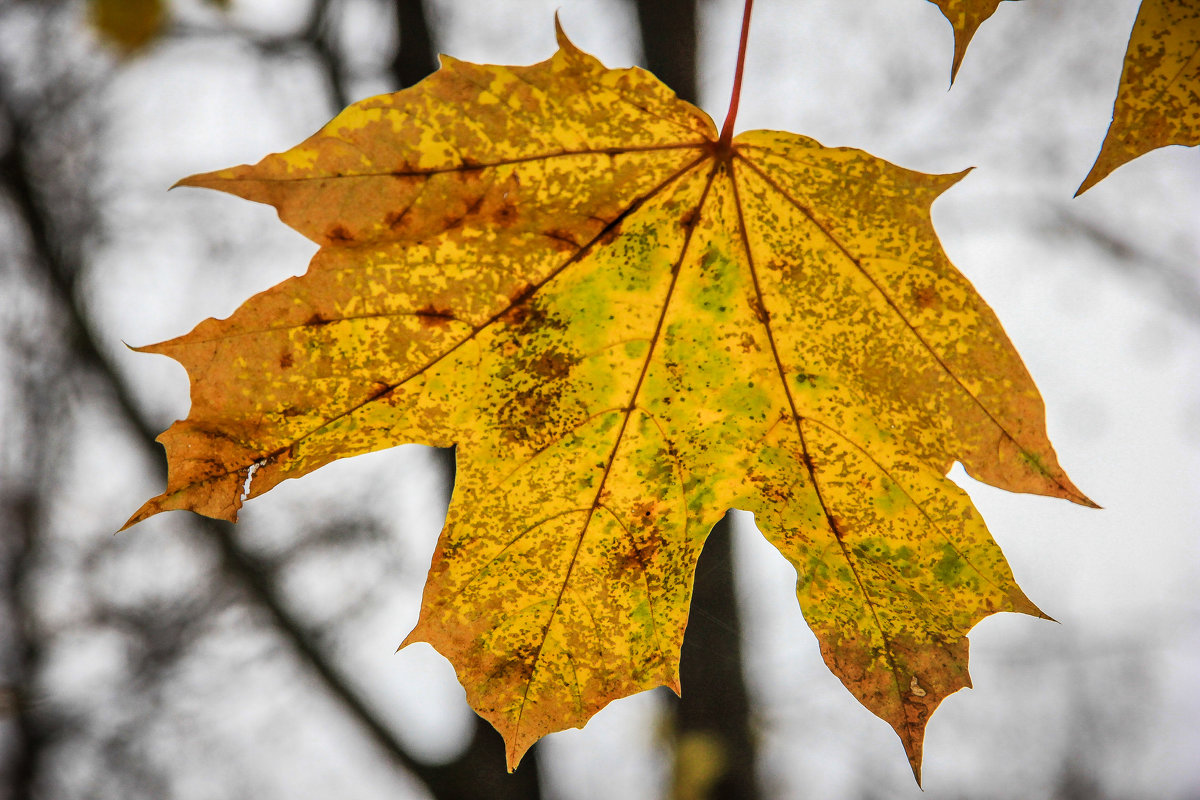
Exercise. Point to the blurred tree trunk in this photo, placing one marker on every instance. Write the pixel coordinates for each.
(39, 399)
(18, 519)
(714, 751)
(415, 55)
(668, 29)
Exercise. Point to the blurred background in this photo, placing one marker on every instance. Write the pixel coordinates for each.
(191, 659)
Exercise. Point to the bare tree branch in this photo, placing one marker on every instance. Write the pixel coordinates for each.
(669, 42)
(415, 55)
(18, 518)
(17, 180)
(1179, 285)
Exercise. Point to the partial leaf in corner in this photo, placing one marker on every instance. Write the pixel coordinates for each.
(965, 16)
(128, 24)
(1158, 100)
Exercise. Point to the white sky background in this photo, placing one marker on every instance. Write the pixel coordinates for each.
(1116, 357)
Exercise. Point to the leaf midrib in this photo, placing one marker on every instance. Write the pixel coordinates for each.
(212, 179)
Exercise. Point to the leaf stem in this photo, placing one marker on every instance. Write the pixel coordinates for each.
(727, 129)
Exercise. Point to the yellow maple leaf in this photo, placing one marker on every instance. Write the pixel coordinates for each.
(1158, 99)
(965, 16)
(627, 323)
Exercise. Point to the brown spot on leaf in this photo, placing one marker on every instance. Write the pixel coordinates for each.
(636, 552)
(609, 236)
(316, 321)
(339, 235)
(525, 653)
(563, 240)
(926, 296)
(645, 512)
(470, 174)
(431, 316)
(625, 561)
(286, 360)
(539, 412)
(760, 311)
(394, 219)
(519, 309)
(380, 388)
(552, 364)
(505, 215)
(452, 221)
(405, 170)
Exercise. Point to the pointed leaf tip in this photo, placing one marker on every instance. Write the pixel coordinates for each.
(197, 181)
(959, 52)
(965, 16)
(137, 517)
(1155, 104)
(512, 757)
(564, 43)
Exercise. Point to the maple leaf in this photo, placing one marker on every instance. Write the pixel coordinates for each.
(965, 16)
(1158, 99)
(627, 323)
